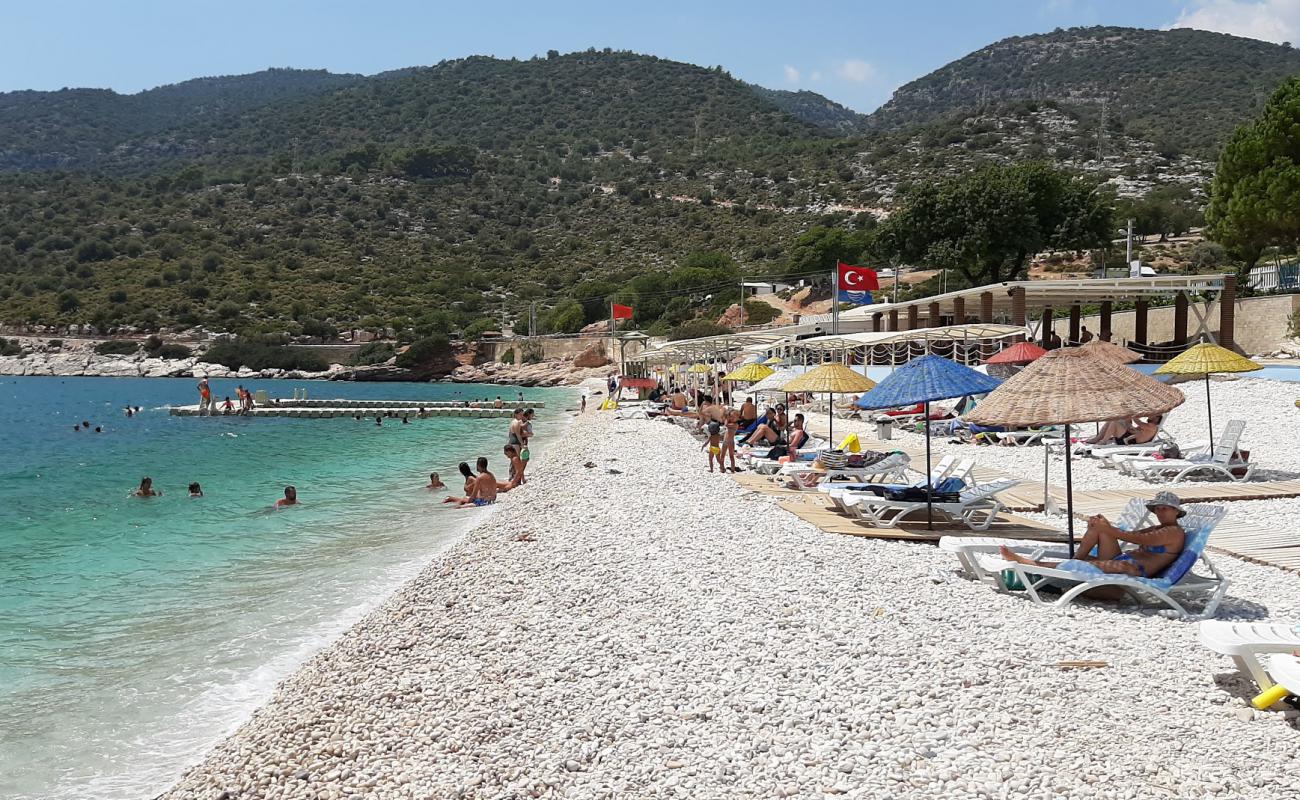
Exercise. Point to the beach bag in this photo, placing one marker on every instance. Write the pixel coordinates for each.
(851, 443)
(833, 459)
(777, 452)
(1169, 450)
(1244, 457)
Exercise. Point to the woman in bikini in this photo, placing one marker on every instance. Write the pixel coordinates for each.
(1157, 545)
(471, 484)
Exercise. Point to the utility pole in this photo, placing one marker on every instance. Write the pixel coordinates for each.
(894, 265)
(1128, 249)
(532, 319)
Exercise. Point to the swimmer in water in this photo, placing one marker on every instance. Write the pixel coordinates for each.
(85, 424)
(129, 412)
(146, 489)
(406, 420)
(196, 490)
(379, 421)
(99, 429)
(435, 482)
(290, 498)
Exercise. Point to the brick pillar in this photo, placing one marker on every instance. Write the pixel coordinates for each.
(935, 319)
(1104, 333)
(959, 311)
(986, 307)
(912, 323)
(1228, 312)
(1045, 330)
(1075, 319)
(1018, 307)
(893, 319)
(876, 319)
(1180, 318)
(1140, 321)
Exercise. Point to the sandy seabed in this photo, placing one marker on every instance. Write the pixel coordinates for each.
(641, 628)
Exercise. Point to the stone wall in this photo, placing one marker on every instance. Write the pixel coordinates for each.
(1261, 325)
(552, 349)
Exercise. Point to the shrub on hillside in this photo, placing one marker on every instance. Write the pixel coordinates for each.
(10, 348)
(263, 354)
(117, 347)
(423, 351)
(175, 351)
(759, 313)
(372, 353)
(697, 328)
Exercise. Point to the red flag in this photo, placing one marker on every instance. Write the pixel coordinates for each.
(622, 312)
(856, 279)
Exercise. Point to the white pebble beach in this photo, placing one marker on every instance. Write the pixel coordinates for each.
(663, 632)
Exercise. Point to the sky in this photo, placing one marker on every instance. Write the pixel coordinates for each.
(855, 53)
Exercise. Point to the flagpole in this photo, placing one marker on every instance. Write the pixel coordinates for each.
(835, 300)
(611, 330)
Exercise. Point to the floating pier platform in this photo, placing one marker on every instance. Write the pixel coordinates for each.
(411, 409)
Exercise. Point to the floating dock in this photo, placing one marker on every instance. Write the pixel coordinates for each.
(367, 409)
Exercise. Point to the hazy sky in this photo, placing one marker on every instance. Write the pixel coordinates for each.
(854, 52)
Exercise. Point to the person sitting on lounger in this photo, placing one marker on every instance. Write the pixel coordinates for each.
(748, 413)
(1157, 545)
(1113, 430)
(1144, 431)
(767, 433)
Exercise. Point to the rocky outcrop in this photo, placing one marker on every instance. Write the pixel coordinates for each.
(593, 356)
(546, 373)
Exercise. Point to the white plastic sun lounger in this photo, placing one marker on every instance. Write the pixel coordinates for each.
(1284, 668)
(968, 549)
(770, 466)
(1247, 642)
(1112, 457)
(1177, 581)
(978, 508)
(1223, 461)
(890, 469)
(948, 466)
(1025, 437)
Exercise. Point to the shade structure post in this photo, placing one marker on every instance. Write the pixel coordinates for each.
(830, 420)
(1069, 492)
(929, 474)
(1209, 412)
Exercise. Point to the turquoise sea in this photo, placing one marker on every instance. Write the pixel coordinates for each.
(134, 633)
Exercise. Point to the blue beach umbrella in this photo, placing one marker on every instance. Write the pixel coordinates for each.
(923, 380)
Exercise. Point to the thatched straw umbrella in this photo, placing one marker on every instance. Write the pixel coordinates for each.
(1204, 359)
(1105, 349)
(1069, 386)
(831, 379)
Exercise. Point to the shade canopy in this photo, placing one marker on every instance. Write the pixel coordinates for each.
(830, 378)
(774, 360)
(1021, 353)
(749, 372)
(1206, 359)
(700, 369)
(1069, 386)
(775, 382)
(926, 379)
(1104, 349)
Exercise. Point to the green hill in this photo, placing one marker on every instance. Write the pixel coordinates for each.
(1183, 89)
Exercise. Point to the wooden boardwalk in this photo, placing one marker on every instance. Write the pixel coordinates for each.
(1276, 547)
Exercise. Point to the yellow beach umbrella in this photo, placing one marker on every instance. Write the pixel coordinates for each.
(749, 373)
(831, 379)
(1204, 359)
(700, 369)
(774, 360)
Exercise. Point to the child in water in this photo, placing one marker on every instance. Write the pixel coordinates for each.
(146, 489)
(435, 482)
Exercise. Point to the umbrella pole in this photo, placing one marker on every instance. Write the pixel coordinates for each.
(929, 475)
(1208, 412)
(830, 420)
(1069, 492)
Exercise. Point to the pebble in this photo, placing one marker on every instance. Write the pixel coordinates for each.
(666, 633)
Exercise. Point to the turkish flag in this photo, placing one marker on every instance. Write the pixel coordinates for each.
(622, 312)
(856, 279)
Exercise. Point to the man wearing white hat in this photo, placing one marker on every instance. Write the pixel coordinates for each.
(1158, 545)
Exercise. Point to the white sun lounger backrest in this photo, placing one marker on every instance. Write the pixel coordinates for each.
(1226, 445)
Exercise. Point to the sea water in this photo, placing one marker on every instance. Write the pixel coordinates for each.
(135, 633)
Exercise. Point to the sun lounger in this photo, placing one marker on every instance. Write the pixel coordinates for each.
(770, 466)
(977, 509)
(805, 477)
(1224, 461)
(948, 467)
(1176, 581)
(1285, 670)
(968, 549)
(1112, 457)
(1025, 437)
(1247, 642)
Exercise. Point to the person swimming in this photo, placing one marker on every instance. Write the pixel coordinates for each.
(99, 429)
(146, 489)
(379, 421)
(435, 482)
(290, 497)
(196, 490)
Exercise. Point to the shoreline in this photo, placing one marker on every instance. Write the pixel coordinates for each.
(658, 631)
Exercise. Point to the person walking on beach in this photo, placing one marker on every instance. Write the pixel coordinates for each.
(205, 397)
(583, 410)
(290, 497)
(146, 489)
(729, 440)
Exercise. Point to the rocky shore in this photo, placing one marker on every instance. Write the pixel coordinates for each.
(629, 625)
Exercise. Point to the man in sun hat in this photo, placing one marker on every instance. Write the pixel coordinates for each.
(1158, 545)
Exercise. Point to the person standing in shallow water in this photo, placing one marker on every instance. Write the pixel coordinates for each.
(205, 397)
(146, 489)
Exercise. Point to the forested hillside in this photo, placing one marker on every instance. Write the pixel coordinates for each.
(1183, 90)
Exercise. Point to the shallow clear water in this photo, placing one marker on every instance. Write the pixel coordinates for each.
(136, 632)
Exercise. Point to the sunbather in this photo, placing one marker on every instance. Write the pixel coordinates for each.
(1157, 545)
(764, 434)
(1112, 430)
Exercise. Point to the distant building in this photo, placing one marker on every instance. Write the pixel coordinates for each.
(754, 289)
